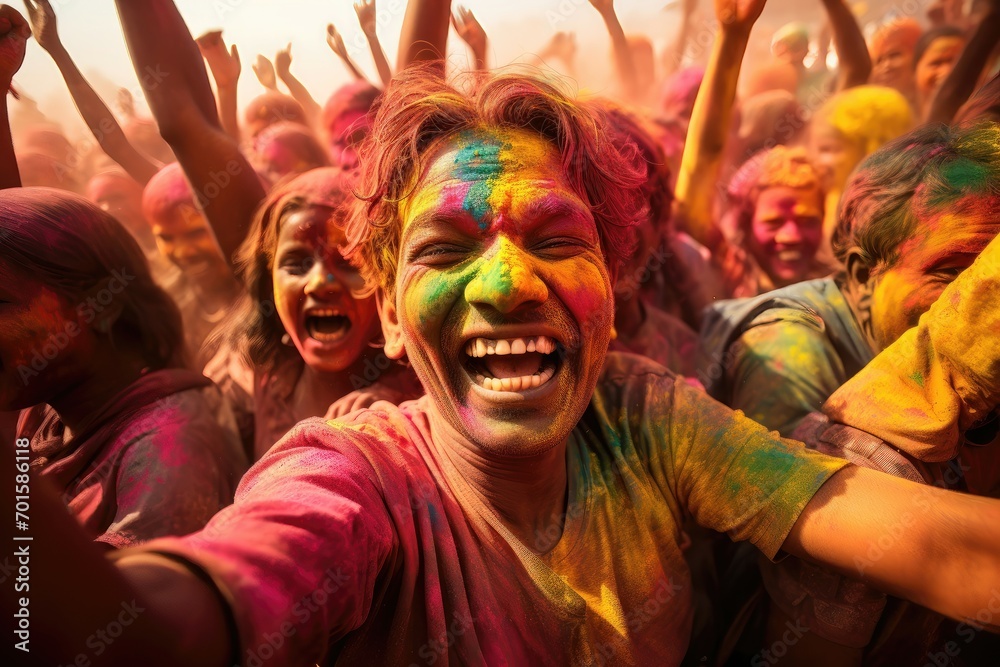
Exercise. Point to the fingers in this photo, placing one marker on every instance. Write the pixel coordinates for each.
(234, 54)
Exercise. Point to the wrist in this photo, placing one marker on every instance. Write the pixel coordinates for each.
(735, 32)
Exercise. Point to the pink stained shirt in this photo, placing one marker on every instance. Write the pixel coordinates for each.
(358, 542)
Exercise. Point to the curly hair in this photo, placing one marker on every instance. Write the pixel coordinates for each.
(73, 247)
(910, 179)
(867, 116)
(257, 334)
(420, 109)
(775, 167)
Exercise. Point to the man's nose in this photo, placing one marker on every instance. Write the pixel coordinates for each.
(506, 280)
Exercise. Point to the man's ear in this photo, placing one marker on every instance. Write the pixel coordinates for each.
(859, 271)
(860, 288)
(391, 330)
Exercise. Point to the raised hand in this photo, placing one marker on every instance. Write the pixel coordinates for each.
(366, 15)
(336, 42)
(265, 73)
(283, 61)
(14, 34)
(603, 6)
(43, 23)
(561, 46)
(739, 14)
(224, 63)
(125, 103)
(469, 29)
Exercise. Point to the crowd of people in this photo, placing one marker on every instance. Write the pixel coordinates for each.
(459, 367)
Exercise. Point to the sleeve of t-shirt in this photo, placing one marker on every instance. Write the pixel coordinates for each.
(298, 554)
(172, 480)
(730, 473)
(783, 369)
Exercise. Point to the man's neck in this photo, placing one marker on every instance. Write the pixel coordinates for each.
(529, 494)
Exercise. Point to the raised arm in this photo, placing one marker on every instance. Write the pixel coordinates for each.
(960, 83)
(264, 71)
(226, 69)
(701, 160)
(14, 34)
(367, 15)
(425, 32)
(624, 64)
(855, 65)
(95, 112)
(283, 66)
(675, 52)
(472, 33)
(182, 103)
(336, 44)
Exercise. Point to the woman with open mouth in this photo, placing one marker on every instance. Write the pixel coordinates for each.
(305, 339)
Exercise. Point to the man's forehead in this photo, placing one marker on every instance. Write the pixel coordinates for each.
(485, 152)
(479, 170)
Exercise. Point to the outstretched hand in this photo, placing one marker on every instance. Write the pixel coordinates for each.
(469, 29)
(740, 14)
(14, 34)
(224, 63)
(43, 23)
(561, 46)
(125, 103)
(366, 15)
(336, 42)
(265, 73)
(283, 60)
(603, 6)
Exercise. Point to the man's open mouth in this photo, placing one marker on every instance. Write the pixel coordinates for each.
(327, 325)
(512, 364)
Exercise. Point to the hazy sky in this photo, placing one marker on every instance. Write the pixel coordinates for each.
(90, 31)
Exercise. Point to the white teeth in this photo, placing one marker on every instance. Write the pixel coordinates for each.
(480, 347)
(524, 382)
(323, 312)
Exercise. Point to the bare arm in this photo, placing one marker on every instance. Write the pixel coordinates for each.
(472, 33)
(960, 83)
(675, 55)
(624, 63)
(172, 617)
(226, 69)
(367, 18)
(710, 119)
(425, 32)
(14, 34)
(942, 546)
(182, 103)
(336, 43)
(92, 108)
(283, 66)
(852, 51)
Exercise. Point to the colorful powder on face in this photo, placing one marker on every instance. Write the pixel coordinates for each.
(478, 160)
